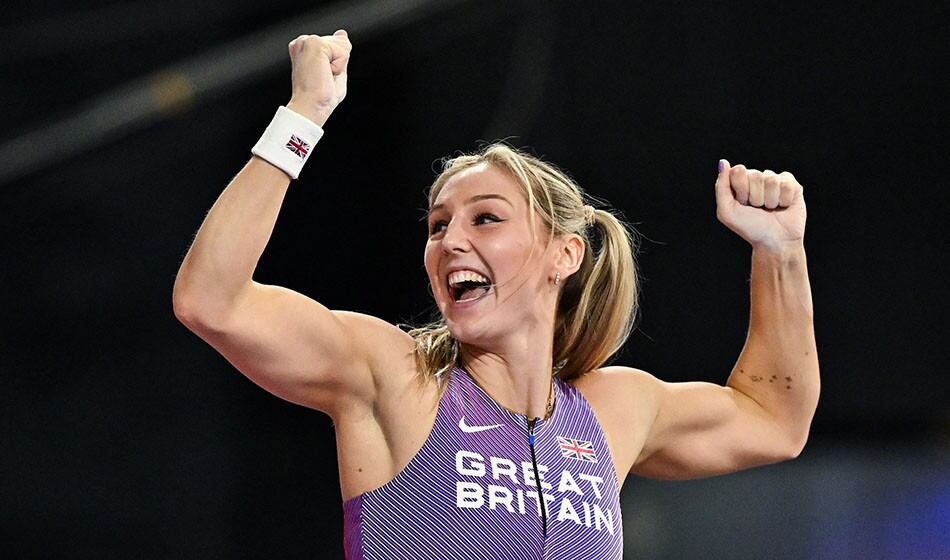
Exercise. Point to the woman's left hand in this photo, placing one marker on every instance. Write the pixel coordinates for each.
(766, 209)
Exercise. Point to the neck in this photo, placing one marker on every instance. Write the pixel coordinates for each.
(517, 375)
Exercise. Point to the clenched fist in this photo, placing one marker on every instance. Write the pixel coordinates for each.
(766, 209)
(319, 74)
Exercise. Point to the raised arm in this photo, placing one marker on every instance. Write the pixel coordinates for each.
(764, 412)
(285, 342)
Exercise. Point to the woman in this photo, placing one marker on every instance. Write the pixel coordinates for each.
(497, 433)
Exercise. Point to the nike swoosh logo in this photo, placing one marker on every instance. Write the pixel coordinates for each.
(472, 429)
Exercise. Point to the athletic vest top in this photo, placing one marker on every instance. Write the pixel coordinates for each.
(471, 491)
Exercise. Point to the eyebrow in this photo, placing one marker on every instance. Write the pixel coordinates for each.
(476, 198)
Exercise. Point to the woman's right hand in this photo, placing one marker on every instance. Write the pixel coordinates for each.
(319, 74)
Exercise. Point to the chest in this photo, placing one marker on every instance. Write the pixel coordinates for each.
(497, 491)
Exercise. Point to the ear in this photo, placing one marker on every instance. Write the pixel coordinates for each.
(570, 254)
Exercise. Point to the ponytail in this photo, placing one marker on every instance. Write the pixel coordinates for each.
(598, 305)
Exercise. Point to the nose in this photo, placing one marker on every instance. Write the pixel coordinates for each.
(455, 238)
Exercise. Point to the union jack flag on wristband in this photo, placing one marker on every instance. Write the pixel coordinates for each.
(577, 449)
(298, 146)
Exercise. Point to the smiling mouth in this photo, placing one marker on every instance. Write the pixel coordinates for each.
(469, 291)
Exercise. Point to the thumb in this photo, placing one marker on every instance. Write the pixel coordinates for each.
(724, 196)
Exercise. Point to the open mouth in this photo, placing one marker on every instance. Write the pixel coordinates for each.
(469, 291)
(467, 285)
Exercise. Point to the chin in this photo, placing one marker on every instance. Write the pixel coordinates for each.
(481, 327)
(462, 331)
(468, 331)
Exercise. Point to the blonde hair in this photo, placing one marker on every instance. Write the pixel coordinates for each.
(597, 305)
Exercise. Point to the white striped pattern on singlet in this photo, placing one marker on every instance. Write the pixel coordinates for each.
(473, 495)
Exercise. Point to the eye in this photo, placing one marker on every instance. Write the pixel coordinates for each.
(485, 218)
(437, 227)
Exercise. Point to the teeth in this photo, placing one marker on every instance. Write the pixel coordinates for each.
(466, 276)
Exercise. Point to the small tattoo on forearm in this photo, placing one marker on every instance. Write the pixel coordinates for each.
(755, 378)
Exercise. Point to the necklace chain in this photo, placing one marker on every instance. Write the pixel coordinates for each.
(550, 407)
(550, 404)
(547, 410)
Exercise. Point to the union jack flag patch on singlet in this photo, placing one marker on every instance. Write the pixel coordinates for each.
(577, 449)
(298, 146)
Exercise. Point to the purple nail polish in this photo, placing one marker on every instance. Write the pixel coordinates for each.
(720, 167)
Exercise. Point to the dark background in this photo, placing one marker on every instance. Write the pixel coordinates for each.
(124, 435)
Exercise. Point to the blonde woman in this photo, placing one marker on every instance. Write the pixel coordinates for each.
(498, 432)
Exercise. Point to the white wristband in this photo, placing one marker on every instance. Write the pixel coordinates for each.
(288, 141)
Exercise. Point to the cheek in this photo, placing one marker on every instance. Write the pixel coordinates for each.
(431, 262)
(512, 256)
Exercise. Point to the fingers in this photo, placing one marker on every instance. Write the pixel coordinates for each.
(788, 188)
(338, 65)
(756, 188)
(740, 183)
(723, 192)
(340, 48)
(770, 189)
(763, 189)
(337, 48)
(293, 47)
(339, 44)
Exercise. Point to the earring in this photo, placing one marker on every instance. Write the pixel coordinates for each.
(557, 278)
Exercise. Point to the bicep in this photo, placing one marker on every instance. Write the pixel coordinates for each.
(299, 350)
(703, 429)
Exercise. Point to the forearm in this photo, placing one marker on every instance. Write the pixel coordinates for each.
(778, 367)
(221, 261)
(225, 252)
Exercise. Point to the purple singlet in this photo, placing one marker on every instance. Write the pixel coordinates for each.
(471, 491)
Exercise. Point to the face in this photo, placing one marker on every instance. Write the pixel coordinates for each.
(487, 267)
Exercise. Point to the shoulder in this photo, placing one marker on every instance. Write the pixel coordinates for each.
(615, 384)
(625, 401)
